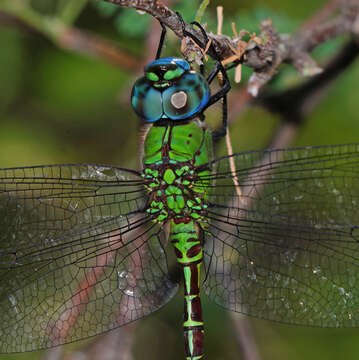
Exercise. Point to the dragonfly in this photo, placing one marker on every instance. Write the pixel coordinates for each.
(87, 248)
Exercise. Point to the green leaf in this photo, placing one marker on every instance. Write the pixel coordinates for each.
(201, 10)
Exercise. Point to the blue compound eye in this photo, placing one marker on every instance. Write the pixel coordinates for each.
(186, 97)
(146, 101)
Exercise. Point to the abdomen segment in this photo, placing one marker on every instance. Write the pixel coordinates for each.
(185, 237)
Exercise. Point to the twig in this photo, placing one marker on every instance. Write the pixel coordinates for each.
(322, 15)
(242, 327)
(275, 49)
(293, 105)
(232, 164)
(108, 346)
(264, 57)
(244, 335)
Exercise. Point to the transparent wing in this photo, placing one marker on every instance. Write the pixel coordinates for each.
(77, 254)
(285, 245)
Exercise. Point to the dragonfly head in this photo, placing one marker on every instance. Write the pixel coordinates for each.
(169, 89)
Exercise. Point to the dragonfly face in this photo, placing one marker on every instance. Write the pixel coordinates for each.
(169, 90)
(166, 71)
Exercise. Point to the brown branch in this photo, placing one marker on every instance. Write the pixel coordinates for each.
(322, 15)
(282, 103)
(274, 48)
(294, 105)
(245, 338)
(296, 48)
(108, 346)
(264, 56)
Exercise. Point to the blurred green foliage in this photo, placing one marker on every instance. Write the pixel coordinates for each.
(57, 106)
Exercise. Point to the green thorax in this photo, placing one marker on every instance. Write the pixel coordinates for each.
(172, 156)
(182, 142)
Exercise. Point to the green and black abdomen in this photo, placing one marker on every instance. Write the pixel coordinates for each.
(178, 195)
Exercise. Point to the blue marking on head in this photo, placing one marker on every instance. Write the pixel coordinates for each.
(168, 61)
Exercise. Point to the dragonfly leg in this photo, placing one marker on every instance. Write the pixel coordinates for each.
(218, 68)
(220, 94)
(222, 131)
(161, 42)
